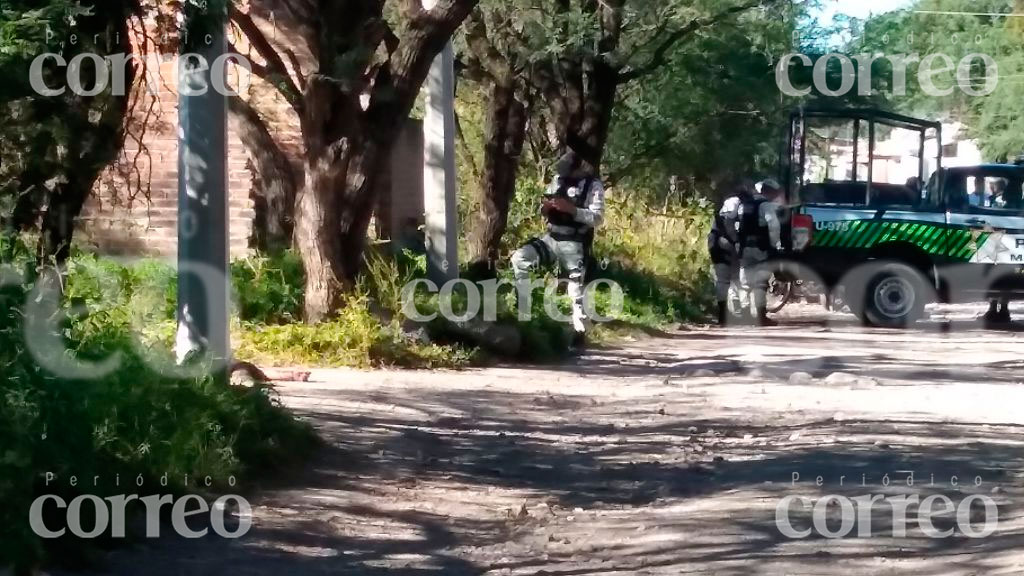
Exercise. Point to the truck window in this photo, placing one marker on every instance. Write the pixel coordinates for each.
(996, 193)
(838, 165)
(985, 192)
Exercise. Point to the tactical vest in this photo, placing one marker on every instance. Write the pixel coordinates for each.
(752, 232)
(564, 227)
(716, 237)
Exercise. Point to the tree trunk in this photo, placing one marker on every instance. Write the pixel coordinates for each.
(317, 239)
(364, 167)
(274, 185)
(96, 125)
(344, 154)
(603, 84)
(58, 224)
(351, 107)
(503, 145)
(332, 217)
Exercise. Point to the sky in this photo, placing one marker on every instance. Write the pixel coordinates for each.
(861, 8)
(857, 9)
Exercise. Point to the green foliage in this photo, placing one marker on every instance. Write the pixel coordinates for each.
(659, 258)
(23, 26)
(1000, 120)
(712, 112)
(386, 277)
(139, 299)
(995, 119)
(139, 420)
(355, 338)
(269, 289)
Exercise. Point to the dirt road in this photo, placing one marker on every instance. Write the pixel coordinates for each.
(664, 456)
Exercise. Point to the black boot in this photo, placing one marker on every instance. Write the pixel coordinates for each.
(723, 313)
(998, 315)
(763, 319)
(579, 342)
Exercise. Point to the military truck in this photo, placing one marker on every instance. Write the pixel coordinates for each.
(893, 247)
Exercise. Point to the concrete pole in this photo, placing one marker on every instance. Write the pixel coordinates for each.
(439, 186)
(203, 205)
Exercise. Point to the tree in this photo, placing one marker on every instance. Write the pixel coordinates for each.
(561, 64)
(713, 112)
(60, 144)
(1001, 115)
(995, 118)
(496, 61)
(926, 29)
(365, 78)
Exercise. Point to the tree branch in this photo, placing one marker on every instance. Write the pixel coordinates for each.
(278, 181)
(425, 37)
(660, 56)
(492, 62)
(275, 70)
(446, 13)
(257, 137)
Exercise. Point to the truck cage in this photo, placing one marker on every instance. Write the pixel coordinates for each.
(796, 152)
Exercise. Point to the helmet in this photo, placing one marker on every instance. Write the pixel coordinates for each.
(568, 164)
(744, 187)
(768, 185)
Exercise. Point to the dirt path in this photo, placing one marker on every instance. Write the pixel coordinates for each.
(664, 456)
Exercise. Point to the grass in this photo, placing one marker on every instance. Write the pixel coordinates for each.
(141, 420)
(660, 259)
(355, 338)
(268, 303)
(135, 420)
(657, 257)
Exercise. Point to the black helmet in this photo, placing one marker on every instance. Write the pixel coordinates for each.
(568, 165)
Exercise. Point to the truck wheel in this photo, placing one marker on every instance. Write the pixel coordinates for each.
(890, 296)
(780, 292)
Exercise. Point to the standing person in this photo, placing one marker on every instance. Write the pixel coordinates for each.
(722, 242)
(760, 235)
(573, 207)
(998, 308)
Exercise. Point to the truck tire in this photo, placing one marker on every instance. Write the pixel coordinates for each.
(889, 295)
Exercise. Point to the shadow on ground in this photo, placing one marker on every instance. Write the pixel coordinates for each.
(405, 487)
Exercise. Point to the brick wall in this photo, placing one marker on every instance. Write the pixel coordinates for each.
(133, 210)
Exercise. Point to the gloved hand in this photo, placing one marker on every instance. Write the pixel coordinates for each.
(560, 204)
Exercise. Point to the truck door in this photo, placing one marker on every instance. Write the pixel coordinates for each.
(943, 194)
(989, 230)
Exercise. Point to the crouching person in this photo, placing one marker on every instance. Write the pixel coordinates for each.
(573, 207)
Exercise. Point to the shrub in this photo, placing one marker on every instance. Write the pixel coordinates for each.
(659, 259)
(355, 338)
(134, 422)
(269, 289)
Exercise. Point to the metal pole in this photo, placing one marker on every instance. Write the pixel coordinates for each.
(803, 150)
(871, 161)
(439, 187)
(921, 163)
(856, 146)
(786, 164)
(202, 197)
